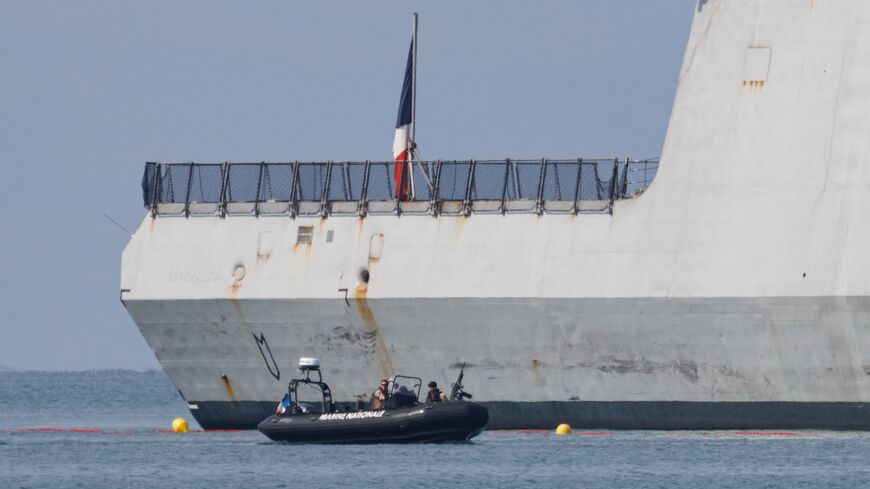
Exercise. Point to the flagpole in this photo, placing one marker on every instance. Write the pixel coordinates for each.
(413, 142)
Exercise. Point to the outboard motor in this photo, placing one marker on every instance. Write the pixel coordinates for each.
(456, 392)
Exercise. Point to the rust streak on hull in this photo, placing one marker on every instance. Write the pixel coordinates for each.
(382, 354)
(228, 386)
(234, 289)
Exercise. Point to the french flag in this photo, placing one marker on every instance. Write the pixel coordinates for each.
(284, 405)
(403, 143)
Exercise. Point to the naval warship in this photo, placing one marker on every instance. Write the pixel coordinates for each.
(732, 290)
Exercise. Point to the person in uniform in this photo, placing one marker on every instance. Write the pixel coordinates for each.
(379, 396)
(435, 394)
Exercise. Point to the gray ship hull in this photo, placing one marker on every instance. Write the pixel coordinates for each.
(594, 363)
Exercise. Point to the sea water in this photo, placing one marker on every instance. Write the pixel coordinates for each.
(109, 429)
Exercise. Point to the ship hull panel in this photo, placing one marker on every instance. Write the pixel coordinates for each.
(630, 363)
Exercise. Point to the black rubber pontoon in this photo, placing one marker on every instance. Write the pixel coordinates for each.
(404, 419)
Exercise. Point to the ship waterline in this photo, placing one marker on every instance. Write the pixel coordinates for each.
(733, 292)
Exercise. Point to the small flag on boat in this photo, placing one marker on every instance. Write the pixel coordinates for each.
(284, 405)
(403, 142)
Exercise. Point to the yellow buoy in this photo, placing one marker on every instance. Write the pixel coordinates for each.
(179, 425)
(563, 429)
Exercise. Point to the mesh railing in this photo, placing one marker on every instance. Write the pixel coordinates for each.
(362, 187)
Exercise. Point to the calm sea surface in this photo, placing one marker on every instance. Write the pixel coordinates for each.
(127, 449)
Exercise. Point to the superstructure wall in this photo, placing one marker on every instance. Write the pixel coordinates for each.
(764, 166)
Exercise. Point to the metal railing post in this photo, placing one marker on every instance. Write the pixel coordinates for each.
(154, 190)
(576, 208)
(259, 183)
(557, 190)
(294, 183)
(539, 204)
(345, 180)
(266, 184)
(624, 188)
(436, 186)
(324, 193)
(171, 187)
(613, 179)
(399, 186)
(222, 201)
(187, 194)
(365, 189)
(507, 168)
(597, 180)
(466, 203)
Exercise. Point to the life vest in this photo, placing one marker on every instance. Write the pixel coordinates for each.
(434, 395)
(375, 402)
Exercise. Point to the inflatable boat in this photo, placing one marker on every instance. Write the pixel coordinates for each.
(402, 418)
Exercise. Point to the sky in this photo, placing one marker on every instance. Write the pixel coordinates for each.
(90, 90)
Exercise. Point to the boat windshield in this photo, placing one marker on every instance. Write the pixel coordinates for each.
(404, 391)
